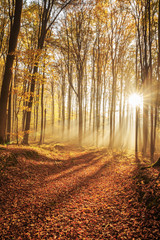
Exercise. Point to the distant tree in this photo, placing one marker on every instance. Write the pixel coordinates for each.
(42, 107)
(47, 17)
(74, 43)
(80, 34)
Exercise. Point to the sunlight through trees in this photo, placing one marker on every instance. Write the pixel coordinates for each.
(82, 71)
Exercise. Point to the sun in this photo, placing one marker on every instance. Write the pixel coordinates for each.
(135, 100)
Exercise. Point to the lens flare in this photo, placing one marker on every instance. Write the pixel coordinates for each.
(135, 100)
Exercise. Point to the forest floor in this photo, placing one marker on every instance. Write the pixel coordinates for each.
(66, 192)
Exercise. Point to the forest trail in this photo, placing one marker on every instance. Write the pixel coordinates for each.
(96, 194)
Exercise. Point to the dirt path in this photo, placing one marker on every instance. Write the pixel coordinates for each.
(92, 196)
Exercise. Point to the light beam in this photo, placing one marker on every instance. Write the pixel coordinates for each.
(135, 100)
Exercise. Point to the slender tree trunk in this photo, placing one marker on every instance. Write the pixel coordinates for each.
(59, 107)
(80, 110)
(120, 102)
(9, 116)
(91, 118)
(63, 102)
(17, 131)
(91, 108)
(112, 110)
(42, 115)
(69, 72)
(98, 88)
(85, 101)
(150, 83)
(104, 107)
(158, 84)
(145, 89)
(137, 107)
(80, 122)
(97, 112)
(37, 110)
(85, 115)
(28, 115)
(52, 91)
(25, 90)
(69, 108)
(45, 121)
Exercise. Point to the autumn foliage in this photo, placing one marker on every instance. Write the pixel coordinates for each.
(66, 192)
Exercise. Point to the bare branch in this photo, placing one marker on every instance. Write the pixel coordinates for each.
(63, 6)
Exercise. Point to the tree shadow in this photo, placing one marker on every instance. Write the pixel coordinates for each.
(45, 165)
(36, 174)
(64, 196)
(81, 166)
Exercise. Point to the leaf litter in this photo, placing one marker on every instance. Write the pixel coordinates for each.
(92, 194)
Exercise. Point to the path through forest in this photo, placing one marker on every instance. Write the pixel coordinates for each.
(96, 194)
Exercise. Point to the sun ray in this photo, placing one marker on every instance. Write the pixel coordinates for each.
(135, 100)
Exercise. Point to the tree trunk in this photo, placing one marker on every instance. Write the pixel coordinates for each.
(63, 101)
(92, 91)
(158, 87)
(98, 88)
(45, 120)
(44, 26)
(137, 108)
(85, 101)
(80, 109)
(37, 111)
(69, 109)
(120, 102)
(8, 68)
(80, 122)
(42, 117)
(9, 117)
(150, 82)
(28, 114)
(59, 107)
(104, 105)
(145, 89)
(52, 91)
(112, 110)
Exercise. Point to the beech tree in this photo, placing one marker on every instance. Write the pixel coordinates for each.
(13, 38)
(47, 16)
(75, 45)
(80, 35)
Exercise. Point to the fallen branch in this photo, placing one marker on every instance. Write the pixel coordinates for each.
(156, 164)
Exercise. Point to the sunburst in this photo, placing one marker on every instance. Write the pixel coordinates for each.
(135, 100)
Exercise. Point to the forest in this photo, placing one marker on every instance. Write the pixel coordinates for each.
(79, 119)
(82, 71)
